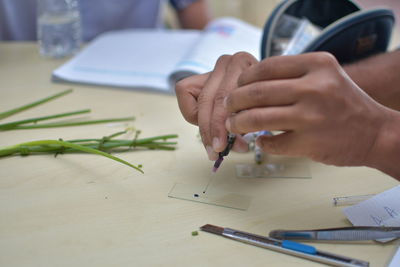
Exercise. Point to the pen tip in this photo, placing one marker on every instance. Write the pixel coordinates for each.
(217, 164)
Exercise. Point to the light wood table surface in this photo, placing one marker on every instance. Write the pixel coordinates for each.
(85, 210)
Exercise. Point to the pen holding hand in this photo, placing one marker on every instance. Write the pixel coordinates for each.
(201, 101)
(259, 154)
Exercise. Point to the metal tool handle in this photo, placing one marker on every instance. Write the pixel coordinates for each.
(341, 234)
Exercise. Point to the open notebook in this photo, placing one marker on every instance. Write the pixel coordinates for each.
(156, 59)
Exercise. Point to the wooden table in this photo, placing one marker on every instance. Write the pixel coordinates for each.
(85, 210)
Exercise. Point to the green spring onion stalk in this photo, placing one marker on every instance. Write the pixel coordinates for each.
(11, 125)
(63, 124)
(102, 147)
(33, 104)
(32, 123)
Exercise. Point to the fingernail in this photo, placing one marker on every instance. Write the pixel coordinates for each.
(212, 155)
(224, 103)
(216, 144)
(228, 125)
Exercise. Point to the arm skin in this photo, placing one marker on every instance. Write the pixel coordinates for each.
(379, 77)
(195, 16)
(323, 114)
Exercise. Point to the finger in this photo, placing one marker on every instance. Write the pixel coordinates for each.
(259, 119)
(263, 94)
(206, 103)
(238, 62)
(240, 145)
(187, 92)
(281, 144)
(273, 68)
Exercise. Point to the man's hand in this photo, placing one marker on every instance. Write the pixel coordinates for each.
(200, 100)
(323, 114)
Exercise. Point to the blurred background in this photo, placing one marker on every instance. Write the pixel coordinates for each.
(256, 12)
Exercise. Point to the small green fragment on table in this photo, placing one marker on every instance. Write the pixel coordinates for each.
(195, 233)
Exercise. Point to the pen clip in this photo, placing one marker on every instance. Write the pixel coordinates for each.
(231, 140)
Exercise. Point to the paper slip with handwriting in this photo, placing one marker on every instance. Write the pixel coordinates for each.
(380, 210)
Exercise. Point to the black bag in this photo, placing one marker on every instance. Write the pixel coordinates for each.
(346, 31)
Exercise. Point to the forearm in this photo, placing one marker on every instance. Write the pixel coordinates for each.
(195, 16)
(385, 154)
(379, 76)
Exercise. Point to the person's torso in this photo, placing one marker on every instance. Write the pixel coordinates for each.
(18, 17)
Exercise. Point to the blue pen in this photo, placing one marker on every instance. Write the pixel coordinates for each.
(286, 246)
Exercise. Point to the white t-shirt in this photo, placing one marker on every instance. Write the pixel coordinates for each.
(18, 17)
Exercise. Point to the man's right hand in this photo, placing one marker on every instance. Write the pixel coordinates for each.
(201, 97)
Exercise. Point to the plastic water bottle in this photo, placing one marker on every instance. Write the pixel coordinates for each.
(59, 27)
